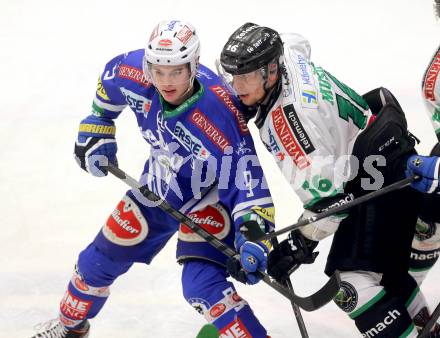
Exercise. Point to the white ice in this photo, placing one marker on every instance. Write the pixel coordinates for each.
(51, 53)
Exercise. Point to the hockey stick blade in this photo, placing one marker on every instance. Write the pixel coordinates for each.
(392, 187)
(322, 296)
(431, 322)
(310, 303)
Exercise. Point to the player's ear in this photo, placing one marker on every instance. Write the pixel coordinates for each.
(273, 70)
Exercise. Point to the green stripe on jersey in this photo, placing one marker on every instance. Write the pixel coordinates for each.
(407, 331)
(366, 306)
(413, 295)
(359, 100)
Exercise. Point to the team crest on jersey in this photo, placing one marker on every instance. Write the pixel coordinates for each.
(126, 225)
(212, 218)
(199, 304)
(347, 297)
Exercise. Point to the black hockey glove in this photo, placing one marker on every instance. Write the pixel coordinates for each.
(293, 251)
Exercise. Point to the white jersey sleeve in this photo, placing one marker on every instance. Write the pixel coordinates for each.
(431, 91)
(311, 128)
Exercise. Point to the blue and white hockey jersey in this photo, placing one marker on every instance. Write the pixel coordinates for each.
(201, 152)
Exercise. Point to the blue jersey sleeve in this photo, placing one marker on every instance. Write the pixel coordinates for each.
(242, 185)
(109, 101)
(244, 189)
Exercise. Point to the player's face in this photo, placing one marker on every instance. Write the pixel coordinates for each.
(249, 87)
(172, 82)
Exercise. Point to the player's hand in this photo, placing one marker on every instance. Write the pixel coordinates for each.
(427, 169)
(96, 146)
(293, 251)
(252, 257)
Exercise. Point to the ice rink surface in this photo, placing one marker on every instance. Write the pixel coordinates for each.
(52, 53)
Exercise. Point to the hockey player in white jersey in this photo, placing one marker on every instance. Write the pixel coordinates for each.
(332, 144)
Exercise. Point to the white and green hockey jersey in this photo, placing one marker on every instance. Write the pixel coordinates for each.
(311, 129)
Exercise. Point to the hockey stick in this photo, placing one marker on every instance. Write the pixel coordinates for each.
(374, 194)
(431, 322)
(295, 307)
(310, 303)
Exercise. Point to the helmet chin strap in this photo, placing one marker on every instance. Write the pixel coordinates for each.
(190, 88)
(271, 95)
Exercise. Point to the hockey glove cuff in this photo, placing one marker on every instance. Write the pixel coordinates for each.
(427, 168)
(96, 146)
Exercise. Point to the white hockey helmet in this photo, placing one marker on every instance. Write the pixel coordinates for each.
(173, 43)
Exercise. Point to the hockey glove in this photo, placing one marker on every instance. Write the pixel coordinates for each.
(252, 256)
(292, 252)
(428, 170)
(96, 145)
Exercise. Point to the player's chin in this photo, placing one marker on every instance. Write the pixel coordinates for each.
(247, 99)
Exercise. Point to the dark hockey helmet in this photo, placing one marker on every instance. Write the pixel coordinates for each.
(249, 48)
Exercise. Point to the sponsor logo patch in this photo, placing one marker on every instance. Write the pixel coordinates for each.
(347, 297)
(236, 329)
(217, 310)
(298, 129)
(137, 103)
(80, 284)
(165, 42)
(126, 225)
(189, 140)
(309, 99)
(74, 307)
(209, 129)
(288, 140)
(267, 213)
(431, 77)
(100, 91)
(133, 74)
(184, 34)
(382, 325)
(154, 33)
(226, 98)
(212, 218)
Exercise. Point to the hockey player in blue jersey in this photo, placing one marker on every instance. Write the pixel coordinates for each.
(202, 161)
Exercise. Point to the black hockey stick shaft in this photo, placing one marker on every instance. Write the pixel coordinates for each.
(431, 322)
(295, 307)
(310, 303)
(367, 197)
